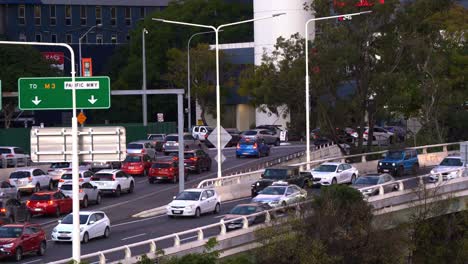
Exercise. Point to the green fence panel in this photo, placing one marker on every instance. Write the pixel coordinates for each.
(16, 137)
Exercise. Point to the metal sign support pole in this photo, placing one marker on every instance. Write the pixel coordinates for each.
(180, 130)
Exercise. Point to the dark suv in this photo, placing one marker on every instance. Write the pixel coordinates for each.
(287, 174)
(399, 162)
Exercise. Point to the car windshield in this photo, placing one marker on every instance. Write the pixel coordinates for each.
(69, 219)
(160, 165)
(369, 180)
(135, 146)
(451, 162)
(10, 232)
(274, 190)
(40, 197)
(188, 196)
(326, 168)
(68, 176)
(172, 138)
(102, 176)
(60, 165)
(275, 174)
(394, 155)
(5, 151)
(66, 187)
(247, 142)
(249, 133)
(19, 174)
(189, 155)
(243, 210)
(132, 159)
(156, 137)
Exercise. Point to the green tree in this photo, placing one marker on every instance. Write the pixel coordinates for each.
(16, 62)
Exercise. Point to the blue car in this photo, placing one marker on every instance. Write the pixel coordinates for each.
(399, 162)
(252, 147)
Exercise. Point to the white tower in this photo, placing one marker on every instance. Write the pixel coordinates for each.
(267, 31)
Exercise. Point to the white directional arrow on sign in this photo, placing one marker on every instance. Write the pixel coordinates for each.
(92, 100)
(36, 100)
(223, 158)
(225, 137)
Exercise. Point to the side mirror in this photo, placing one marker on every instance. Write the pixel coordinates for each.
(262, 175)
(173, 197)
(339, 171)
(203, 198)
(59, 221)
(91, 222)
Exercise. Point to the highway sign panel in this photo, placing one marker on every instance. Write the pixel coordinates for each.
(95, 144)
(225, 137)
(54, 93)
(223, 158)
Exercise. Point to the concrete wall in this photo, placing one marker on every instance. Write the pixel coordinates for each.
(245, 116)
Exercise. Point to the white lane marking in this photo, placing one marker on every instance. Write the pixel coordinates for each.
(188, 238)
(142, 181)
(137, 221)
(32, 261)
(130, 237)
(219, 216)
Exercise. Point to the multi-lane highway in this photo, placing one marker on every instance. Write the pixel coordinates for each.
(126, 229)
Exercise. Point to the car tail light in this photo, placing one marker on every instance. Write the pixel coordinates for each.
(28, 202)
(80, 180)
(206, 136)
(49, 170)
(10, 156)
(255, 145)
(194, 159)
(51, 202)
(61, 180)
(93, 179)
(3, 210)
(143, 151)
(81, 190)
(113, 177)
(238, 146)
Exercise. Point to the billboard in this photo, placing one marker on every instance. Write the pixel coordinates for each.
(57, 58)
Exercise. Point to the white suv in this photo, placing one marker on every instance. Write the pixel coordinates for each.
(57, 169)
(31, 179)
(12, 156)
(199, 132)
(113, 181)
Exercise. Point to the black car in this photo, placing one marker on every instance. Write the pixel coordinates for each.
(13, 210)
(287, 174)
(244, 210)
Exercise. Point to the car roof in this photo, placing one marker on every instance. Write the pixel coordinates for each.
(166, 160)
(250, 204)
(137, 142)
(79, 171)
(108, 171)
(45, 192)
(197, 190)
(331, 163)
(453, 157)
(27, 169)
(90, 212)
(280, 168)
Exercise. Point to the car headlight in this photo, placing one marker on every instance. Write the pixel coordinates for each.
(9, 245)
(453, 173)
(54, 230)
(432, 172)
(258, 184)
(380, 163)
(393, 164)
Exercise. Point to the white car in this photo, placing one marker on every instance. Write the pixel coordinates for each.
(88, 192)
(199, 132)
(194, 202)
(449, 168)
(9, 191)
(381, 136)
(141, 147)
(57, 169)
(85, 176)
(329, 173)
(13, 155)
(92, 224)
(113, 181)
(31, 180)
(280, 194)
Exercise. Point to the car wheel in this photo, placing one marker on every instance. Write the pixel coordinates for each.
(85, 202)
(51, 185)
(334, 181)
(132, 186)
(353, 178)
(118, 191)
(217, 208)
(37, 188)
(197, 212)
(415, 169)
(238, 156)
(19, 254)
(85, 238)
(98, 198)
(42, 249)
(277, 142)
(107, 232)
(57, 212)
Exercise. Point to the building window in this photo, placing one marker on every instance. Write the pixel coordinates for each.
(98, 15)
(113, 16)
(68, 38)
(22, 37)
(38, 37)
(53, 16)
(37, 15)
(83, 15)
(99, 39)
(114, 39)
(128, 16)
(21, 12)
(53, 38)
(68, 15)
(142, 12)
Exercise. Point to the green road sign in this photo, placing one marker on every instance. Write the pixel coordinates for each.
(53, 93)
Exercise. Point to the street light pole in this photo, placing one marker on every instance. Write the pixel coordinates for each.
(218, 104)
(189, 104)
(307, 78)
(144, 96)
(79, 44)
(76, 250)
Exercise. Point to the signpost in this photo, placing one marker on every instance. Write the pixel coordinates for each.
(225, 138)
(1, 95)
(54, 93)
(464, 152)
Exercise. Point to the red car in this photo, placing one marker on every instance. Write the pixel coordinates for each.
(197, 160)
(49, 203)
(167, 170)
(19, 239)
(137, 165)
